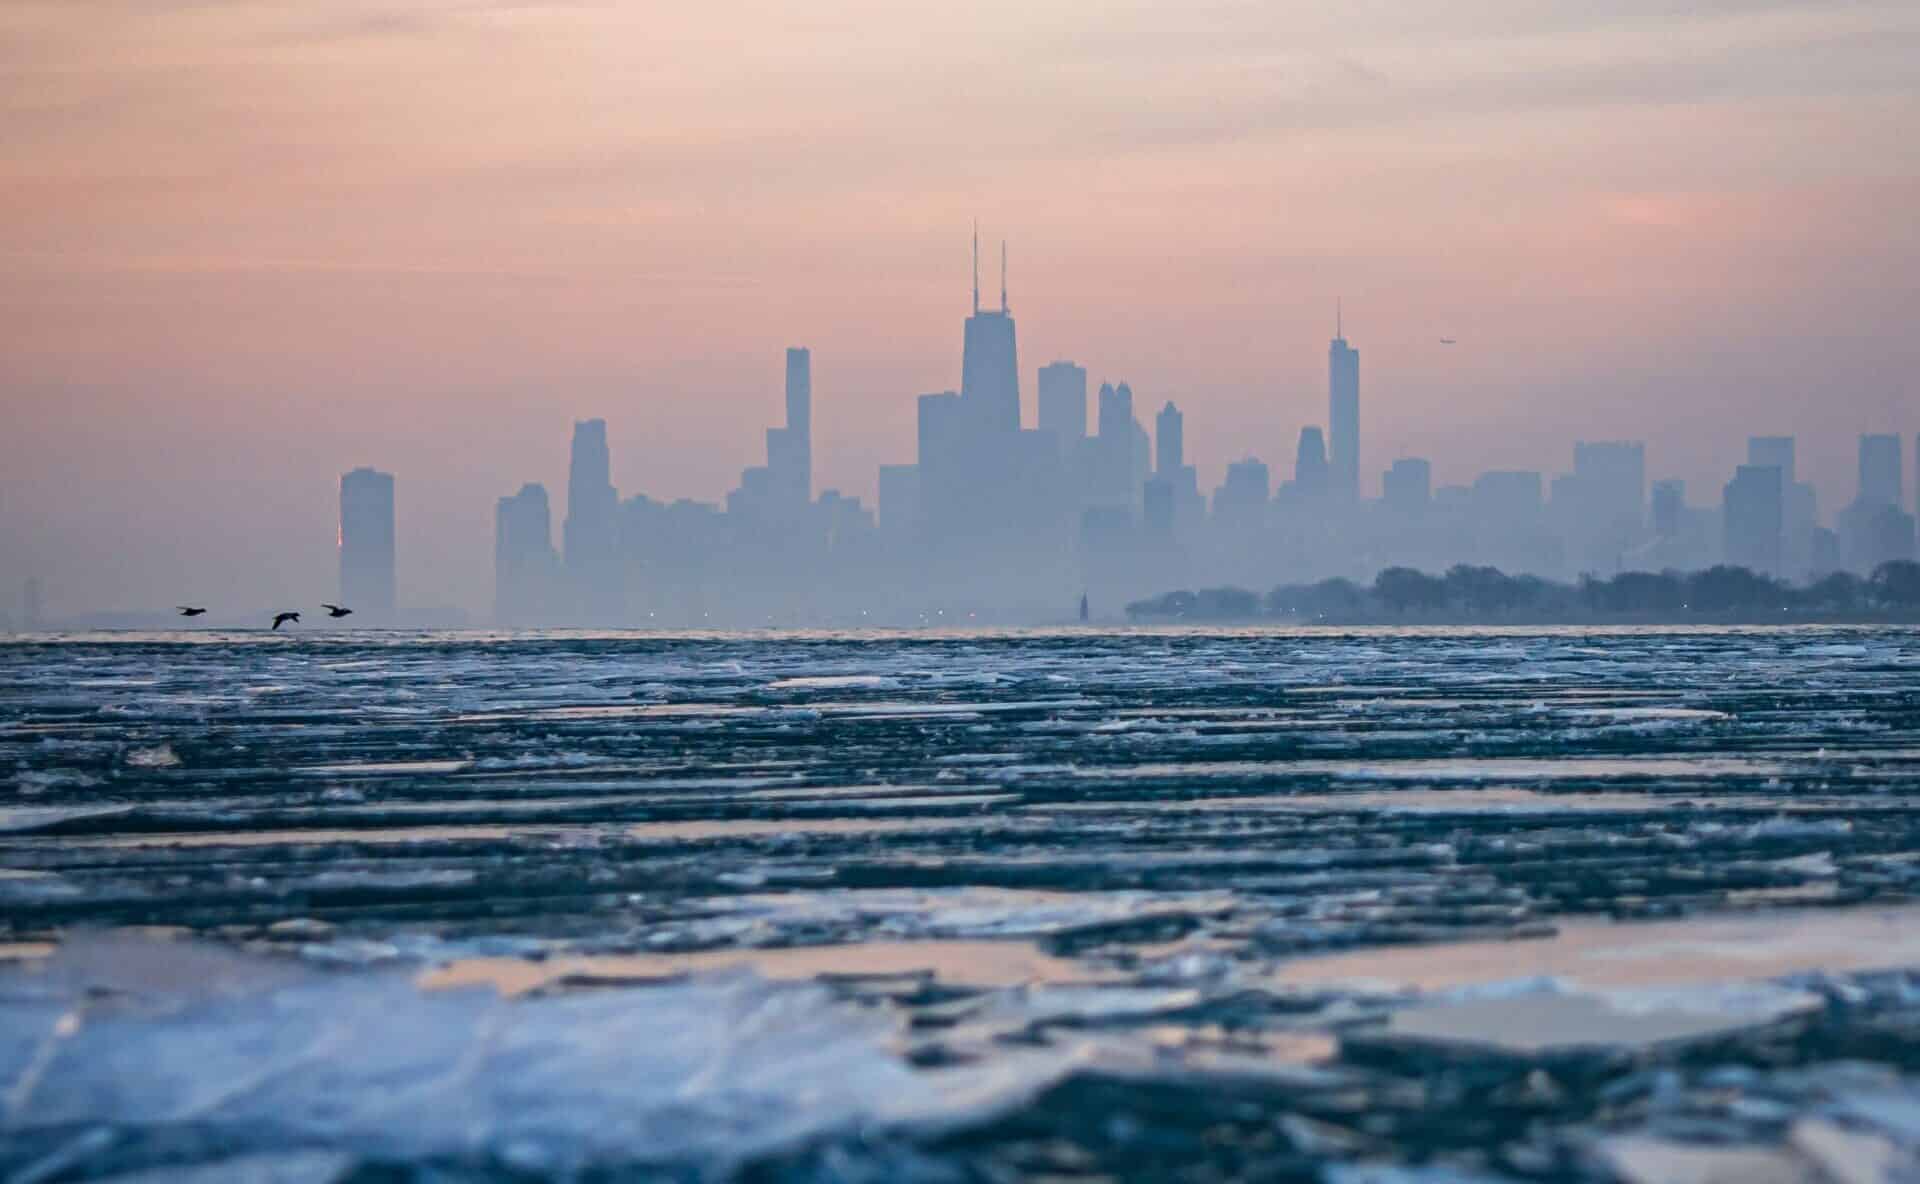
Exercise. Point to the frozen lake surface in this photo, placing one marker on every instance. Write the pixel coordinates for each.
(1555, 904)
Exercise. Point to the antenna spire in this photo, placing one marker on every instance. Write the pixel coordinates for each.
(1339, 330)
(976, 265)
(1003, 276)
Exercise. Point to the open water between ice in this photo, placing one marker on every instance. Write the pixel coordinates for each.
(1551, 904)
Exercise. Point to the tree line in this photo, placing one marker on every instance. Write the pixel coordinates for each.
(1471, 593)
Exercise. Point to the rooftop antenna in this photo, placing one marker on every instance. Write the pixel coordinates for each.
(976, 266)
(1339, 332)
(1003, 277)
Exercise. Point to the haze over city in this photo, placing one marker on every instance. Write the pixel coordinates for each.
(252, 246)
(804, 591)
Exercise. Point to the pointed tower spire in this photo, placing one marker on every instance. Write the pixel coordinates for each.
(1003, 276)
(976, 266)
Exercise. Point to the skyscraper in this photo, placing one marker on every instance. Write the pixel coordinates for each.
(1800, 513)
(1772, 451)
(989, 361)
(1113, 479)
(1408, 485)
(1874, 529)
(366, 543)
(942, 464)
(1343, 416)
(1116, 411)
(1880, 478)
(1311, 476)
(1613, 480)
(1169, 441)
(791, 459)
(1241, 499)
(1063, 404)
(523, 558)
(780, 492)
(592, 529)
(1669, 508)
(1754, 513)
(1600, 508)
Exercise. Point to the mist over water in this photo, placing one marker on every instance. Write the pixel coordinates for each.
(845, 592)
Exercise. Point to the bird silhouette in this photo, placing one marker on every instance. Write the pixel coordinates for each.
(187, 610)
(334, 610)
(280, 619)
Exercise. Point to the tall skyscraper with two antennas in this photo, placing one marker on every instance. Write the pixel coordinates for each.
(989, 361)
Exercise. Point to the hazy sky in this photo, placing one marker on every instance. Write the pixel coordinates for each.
(250, 244)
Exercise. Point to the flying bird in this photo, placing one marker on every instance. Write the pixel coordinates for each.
(187, 610)
(280, 619)
(1448, 341)
(334, 610)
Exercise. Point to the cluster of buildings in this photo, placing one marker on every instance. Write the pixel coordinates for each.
(1002, 518)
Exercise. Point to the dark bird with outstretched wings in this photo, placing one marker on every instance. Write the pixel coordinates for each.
(280, 619)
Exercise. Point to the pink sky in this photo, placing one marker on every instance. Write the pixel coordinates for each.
(251, 244)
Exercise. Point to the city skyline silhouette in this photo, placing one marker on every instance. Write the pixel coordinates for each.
(1682, 227)
(1001, 512)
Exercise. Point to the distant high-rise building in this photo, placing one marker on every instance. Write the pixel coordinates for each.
(791, 460)
(1772, 452)
(592, 528)
(943, 464)
(848, 523)
(1169, 441)
(1180, 500)
(1311, 477)
(1873, 533)
(989, 362)
(780, 493)
(1613, 479)
(1113, 481)
(1669, 508)
(1600, 508)
(1116, 411)
(1343, 416)
(1802, 506)
(1880, 479)
(523, 558)
(938, 425)
(1241, 499)
(800, 393)
(1875, 529)
(1063, 403)
(366, 543)
(1407, 486)
(1754, 515)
